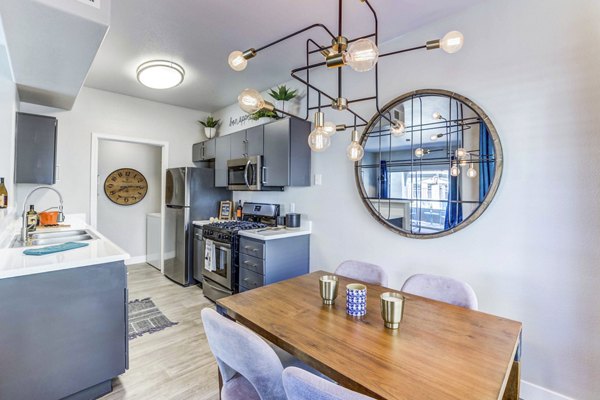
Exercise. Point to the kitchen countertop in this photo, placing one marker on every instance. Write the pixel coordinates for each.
(14, 263)
(278, 233)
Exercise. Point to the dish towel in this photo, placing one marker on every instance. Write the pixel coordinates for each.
(209, 255)
(42, 251)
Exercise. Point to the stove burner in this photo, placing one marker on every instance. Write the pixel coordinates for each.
(235, 226)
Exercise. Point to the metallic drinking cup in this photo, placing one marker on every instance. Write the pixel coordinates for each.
(392, 309)
(329, 288)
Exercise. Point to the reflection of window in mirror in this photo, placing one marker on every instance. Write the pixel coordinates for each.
(433, 174)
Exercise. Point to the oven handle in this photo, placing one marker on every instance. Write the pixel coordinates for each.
(205, 282)
(221, 244)
(246, 173)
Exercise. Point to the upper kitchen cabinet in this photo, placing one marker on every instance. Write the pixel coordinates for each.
(223, 154)
(35, 150)
(204, 151)
(247, 143)
(286, 153)
(51, 44)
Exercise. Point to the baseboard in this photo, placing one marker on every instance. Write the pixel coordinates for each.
(135, 260)
(530, 391)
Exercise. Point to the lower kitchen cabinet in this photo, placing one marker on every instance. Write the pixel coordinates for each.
(64, 333)
(263, 262)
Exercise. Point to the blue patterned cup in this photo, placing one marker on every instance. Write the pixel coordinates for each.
(356, 299)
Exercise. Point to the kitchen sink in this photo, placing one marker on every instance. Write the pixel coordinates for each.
(57, 237)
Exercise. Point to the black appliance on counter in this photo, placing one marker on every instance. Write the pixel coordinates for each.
(222, 279)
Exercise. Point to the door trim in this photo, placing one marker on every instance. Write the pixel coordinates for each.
(96, 138)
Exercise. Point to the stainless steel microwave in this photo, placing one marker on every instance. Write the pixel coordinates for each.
(245, 173)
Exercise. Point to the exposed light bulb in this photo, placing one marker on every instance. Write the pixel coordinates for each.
(355, 151)
(455, 170)
(362, 55)
(398, 128)
(436, 136)
(471, 172)
(329, 128)
(437, 115)
(318, 140)
(452, 42)
(236, 61)
(419, 152)
(461, 153)
(251, 101)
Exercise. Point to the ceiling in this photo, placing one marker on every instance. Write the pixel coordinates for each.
(199, 35)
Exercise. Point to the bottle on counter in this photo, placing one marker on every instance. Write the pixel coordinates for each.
(3, 194)
(32, 218)
(238, 211)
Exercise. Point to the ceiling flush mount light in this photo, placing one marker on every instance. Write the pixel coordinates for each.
(360, 54)
(160, 74)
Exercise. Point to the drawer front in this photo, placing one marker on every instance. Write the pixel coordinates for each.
(252, 263)
(252, 248)
(249, 279)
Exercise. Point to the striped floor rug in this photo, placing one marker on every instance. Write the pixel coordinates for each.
(145, 317)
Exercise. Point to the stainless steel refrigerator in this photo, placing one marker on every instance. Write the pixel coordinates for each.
(191, 195)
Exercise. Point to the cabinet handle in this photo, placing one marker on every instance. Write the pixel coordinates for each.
(263, 178)
(249, 263)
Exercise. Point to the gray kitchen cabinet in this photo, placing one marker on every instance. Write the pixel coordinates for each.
(287, 157)
(238, 145)
(222, 155)
(204, 150)
(65, 333)
(247, 143)
(35, 149)
(263, 262)
(255, 141)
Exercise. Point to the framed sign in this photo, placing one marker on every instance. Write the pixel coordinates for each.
(225, 210)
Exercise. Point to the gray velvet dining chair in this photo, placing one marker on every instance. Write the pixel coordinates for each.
(441, 288)
(363, 271)
(249, 367)
(302, 385)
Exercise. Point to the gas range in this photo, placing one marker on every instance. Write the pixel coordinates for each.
(224, 230)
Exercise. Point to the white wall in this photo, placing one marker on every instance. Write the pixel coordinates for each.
(534, 67)
(9, 104)
(126, 225)
(110, 113)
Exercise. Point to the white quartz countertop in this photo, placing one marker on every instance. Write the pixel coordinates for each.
(201, 222)
(277, 233)
(14, 263)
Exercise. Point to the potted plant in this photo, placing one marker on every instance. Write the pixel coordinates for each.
(264, 114)
(210, 126)
(283, 94)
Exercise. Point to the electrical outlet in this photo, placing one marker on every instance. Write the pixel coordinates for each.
(318, 179)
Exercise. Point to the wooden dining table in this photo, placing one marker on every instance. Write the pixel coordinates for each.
(440, 351)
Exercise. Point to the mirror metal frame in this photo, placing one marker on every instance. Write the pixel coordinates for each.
(493, 186)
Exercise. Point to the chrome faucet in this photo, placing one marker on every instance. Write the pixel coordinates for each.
(24, 227)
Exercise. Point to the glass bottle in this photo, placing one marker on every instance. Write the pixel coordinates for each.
(3, 195)
(32, 219)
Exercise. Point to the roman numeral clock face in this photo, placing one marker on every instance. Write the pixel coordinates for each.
(126, 186)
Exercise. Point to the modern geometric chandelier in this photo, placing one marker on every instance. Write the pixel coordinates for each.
(361, 54)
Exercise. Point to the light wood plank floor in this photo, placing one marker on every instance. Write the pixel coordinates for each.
(175, 363)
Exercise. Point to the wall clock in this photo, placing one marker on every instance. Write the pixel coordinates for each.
(126, 186)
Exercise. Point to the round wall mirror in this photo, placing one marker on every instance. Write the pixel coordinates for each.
(432, 164)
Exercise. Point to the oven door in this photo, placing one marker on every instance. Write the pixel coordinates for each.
(223, 264)
(244, 173)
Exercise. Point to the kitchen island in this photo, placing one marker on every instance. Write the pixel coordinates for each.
(64, 319)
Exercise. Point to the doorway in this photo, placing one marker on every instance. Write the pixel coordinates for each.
(126, 224)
